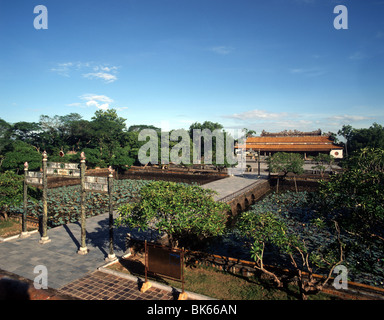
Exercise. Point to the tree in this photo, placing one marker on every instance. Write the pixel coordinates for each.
(56, 132)
(139, 127)
(355, 196)
(322, 161)
(121, 159)
(249, 133)
(372, 137)
(107, 129)
(20, 153)
(211, 141)
(5, 134)
(266, 230)
(180, 211)
(212, 126)
(11, 191)
(347, 132)
(286, 162)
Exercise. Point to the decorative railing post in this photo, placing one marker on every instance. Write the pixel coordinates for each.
(24, 232)
(44, 238)
(111, 255)
(83, 247)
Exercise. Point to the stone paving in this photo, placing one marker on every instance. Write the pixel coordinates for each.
(21, 256)
(70, 275)
(227, 186)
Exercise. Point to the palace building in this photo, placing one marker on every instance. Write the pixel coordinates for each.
(309, 144)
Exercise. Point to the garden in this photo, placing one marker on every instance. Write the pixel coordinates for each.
(340, 224)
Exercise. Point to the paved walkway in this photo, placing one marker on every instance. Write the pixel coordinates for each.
(21, 256)
(225, 187)
(70, 275)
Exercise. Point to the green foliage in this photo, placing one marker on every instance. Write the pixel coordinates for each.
(178, 210)
(64, 202)
(11, 191)
(21, 152)
(372, 137)
(281, 224)
(265, 228)
(356, 195)
(286, 162)
(322, 162)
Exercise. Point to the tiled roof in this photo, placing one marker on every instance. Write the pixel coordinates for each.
(300, 143)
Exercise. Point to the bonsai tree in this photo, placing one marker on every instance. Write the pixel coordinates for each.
(286, 162)
(180, 211)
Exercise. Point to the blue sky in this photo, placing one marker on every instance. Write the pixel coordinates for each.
(260, 64)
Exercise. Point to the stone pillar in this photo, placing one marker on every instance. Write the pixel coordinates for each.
(24, 232)
(44, 238)
(111, 255)
(83, 247)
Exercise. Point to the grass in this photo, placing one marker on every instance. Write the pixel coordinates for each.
(11, 227)
(219, 284)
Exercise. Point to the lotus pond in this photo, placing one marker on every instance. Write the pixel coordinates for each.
(64, 202)
(364, 261)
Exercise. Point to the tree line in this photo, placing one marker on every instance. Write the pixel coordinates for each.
(105, 140)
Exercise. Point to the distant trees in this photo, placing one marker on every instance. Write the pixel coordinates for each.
(104, 139)
(356, 139)
(18, 153)
(107, 141)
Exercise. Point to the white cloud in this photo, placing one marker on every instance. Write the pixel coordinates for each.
(101, 98)
(104, 106)
(347, 118)
(256, 115)
(107, 77)
(90, 70)
(98, 101)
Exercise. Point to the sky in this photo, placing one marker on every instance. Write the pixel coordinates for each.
(258, 64)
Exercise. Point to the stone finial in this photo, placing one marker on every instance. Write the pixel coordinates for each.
(82, 156)
(25, 165)
(45, 156)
